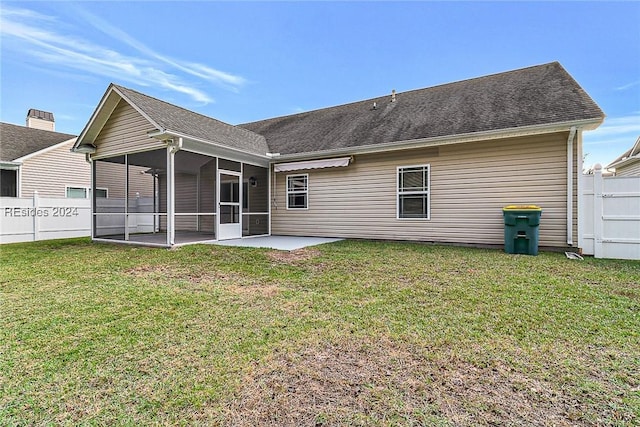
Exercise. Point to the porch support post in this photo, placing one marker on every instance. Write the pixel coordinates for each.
(170, 198)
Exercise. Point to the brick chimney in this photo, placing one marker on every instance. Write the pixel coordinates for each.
(38, 119)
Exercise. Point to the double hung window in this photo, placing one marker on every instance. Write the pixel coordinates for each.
(298, 191)
(413, 192)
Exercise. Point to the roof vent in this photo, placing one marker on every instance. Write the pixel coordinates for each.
(393, 95)
(375, 105)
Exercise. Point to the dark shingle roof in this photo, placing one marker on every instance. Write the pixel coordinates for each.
(173, 118)
(18, 141)
(538, 95)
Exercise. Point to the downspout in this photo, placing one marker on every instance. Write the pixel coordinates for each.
(572, 134)
(581, 211)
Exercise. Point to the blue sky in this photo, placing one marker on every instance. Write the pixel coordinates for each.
(244, 61)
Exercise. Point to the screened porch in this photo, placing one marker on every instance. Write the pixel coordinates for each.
(170, 197)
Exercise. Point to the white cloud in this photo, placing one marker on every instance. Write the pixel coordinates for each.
(39, 36)
(615, 129)
(629, 85)
(198, 70)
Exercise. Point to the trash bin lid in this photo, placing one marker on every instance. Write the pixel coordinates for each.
(522, 208)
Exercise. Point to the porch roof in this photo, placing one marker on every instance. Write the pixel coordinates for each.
(169, 119)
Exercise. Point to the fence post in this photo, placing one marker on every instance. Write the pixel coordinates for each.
(36, 220)
(597, 211)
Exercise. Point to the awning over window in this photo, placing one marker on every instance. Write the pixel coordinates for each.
(313, 164)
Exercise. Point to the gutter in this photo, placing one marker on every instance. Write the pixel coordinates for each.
(159, 134)
(572, 134)
(15, 165)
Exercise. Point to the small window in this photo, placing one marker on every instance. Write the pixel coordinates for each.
(297, 191)
(413, 192)
(102, 193)
(77, 192)
(8, 183)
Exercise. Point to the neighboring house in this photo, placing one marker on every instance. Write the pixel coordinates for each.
(435, 164)
(36, 158)
(629, 163)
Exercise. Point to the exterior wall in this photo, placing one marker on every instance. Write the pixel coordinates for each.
(51, 171)
(470, 184)
(632, 169)
(111, 176)
(125, 132)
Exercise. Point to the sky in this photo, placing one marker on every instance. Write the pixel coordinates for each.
(244, 61)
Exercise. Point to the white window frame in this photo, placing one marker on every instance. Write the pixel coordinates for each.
(87, 191)
(305, 191)
(399, 193)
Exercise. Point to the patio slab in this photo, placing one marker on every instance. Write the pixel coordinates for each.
(283, 243)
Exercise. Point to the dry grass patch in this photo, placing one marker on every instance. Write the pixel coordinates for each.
(294, 257)
(382, 382)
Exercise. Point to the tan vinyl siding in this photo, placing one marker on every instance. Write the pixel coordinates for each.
(125, 132)
(111, 176)
(470, 184)
(50, 172)
(186, 192)
(632, 169)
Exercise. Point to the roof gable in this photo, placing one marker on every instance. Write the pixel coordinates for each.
(538, 95)
(631, 155)
(169, 118)
(19, 141)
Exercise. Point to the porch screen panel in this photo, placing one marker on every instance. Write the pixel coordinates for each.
(207, 196)
(255, 201)
(145, 214)
(109, 212)
(195, 190)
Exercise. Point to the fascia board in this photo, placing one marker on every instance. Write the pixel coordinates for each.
(99, 117)
(10, 165)
(172, 134)
(623, 162)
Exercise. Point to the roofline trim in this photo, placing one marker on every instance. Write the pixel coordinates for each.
(588, 124)
(47, 149)
(171, 134)
(622, 162)
(10, 165)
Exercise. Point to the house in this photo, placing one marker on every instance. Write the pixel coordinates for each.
(627, 164)
(435, 164)
(36, 158)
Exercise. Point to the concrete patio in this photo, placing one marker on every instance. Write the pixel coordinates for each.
(283, 243)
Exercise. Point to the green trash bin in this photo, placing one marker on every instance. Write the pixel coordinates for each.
(521, 229)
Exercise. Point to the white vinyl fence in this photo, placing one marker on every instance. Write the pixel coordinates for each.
(610, 216)
(41, 218)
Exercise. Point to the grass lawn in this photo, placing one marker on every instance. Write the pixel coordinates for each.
(349, 333)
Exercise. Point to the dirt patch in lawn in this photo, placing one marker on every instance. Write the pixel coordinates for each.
(382, 383)
(305, 257)
(179, 273)
(198, 280)
(293, 257)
